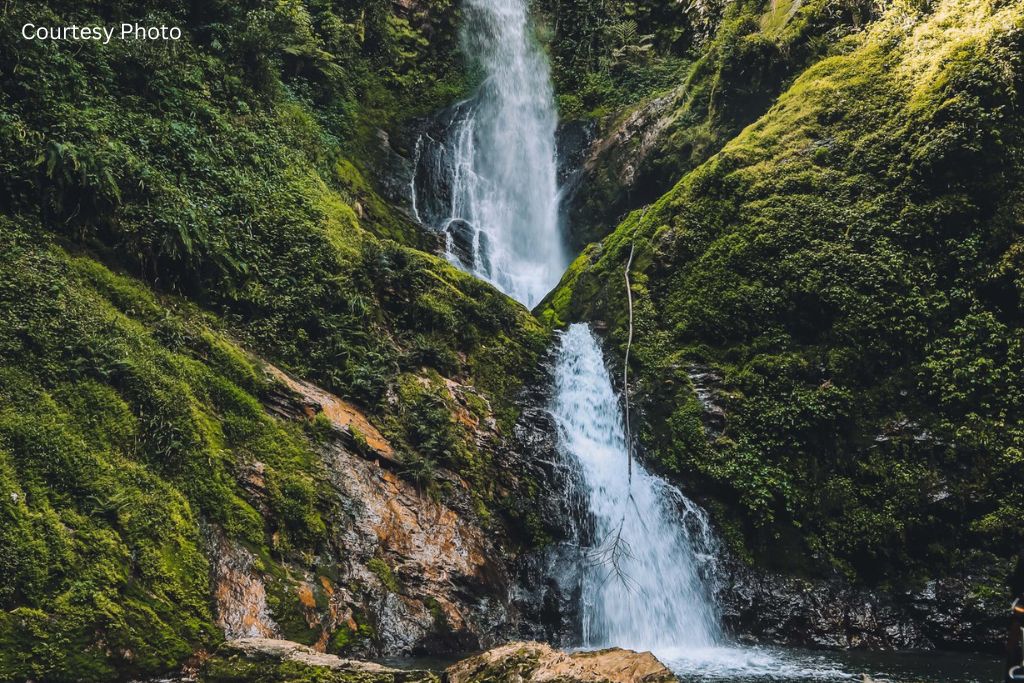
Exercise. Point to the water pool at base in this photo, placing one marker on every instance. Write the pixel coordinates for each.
(744, 664)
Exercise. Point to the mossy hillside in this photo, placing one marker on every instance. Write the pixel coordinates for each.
(726, 66)
(226, 167)
(225, 177)
(126, 421)
(850, 265)
(123, 423)
(212, 104)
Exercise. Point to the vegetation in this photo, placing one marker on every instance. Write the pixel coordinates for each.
(228, 667)
(835, 233)
(849, 265)
(668, 112)
(164, 207)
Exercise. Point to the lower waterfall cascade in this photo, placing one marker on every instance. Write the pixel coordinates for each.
(647, 554)
(645, 580)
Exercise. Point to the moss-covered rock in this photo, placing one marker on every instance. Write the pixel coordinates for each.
(262, 660)
(732, 60)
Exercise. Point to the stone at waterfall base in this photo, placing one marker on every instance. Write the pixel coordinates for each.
(539, 663)
(268, 660)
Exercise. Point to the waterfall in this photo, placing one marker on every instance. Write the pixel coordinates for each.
(485, 175)
(498, 159)
(646, 575)
(646, 560)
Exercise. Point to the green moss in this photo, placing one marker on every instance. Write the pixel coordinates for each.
(287, 610)
(112, 445)
(166, 208)
(740, 60)
(383, 572)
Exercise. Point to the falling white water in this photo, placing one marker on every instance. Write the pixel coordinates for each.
(642, 584)
(648, 565)
(500, 159)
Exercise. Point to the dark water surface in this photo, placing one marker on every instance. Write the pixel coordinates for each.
(777, 665)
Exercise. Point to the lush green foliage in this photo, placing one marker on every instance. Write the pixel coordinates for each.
(666, 114)
(225, 176)
(608, 55)
(121, 422)
(850, 266)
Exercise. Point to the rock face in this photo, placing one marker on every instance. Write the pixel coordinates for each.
(546, 579)
(613, 176)
(239, 591)
(539, 663)
(769, 608)
(344, 416)
(403, 572)
(766, 608)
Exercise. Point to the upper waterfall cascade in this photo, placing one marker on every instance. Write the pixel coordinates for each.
(499, 204)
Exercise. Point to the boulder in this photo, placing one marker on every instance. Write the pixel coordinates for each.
(462, 234)
(538, 663)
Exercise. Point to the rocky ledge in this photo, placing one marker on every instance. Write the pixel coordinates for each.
(946, 614)
(267, 660)
(539, 663)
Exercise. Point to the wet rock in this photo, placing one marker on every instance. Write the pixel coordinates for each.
(424, 183)
(461, 236)
(707, 385)
(403, 572)
(546, 589)
(614, 177)
(954, 617)
(767, 608)
(431, 578)
(470, 247)
(573, 141)
(538, 663)
(394, 173)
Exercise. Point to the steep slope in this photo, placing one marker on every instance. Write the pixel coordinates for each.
(828, 312)
(172, 214)
(668, 84)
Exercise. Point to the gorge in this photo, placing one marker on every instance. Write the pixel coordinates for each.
(498, 161)
(401, 330)
(645, 570)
